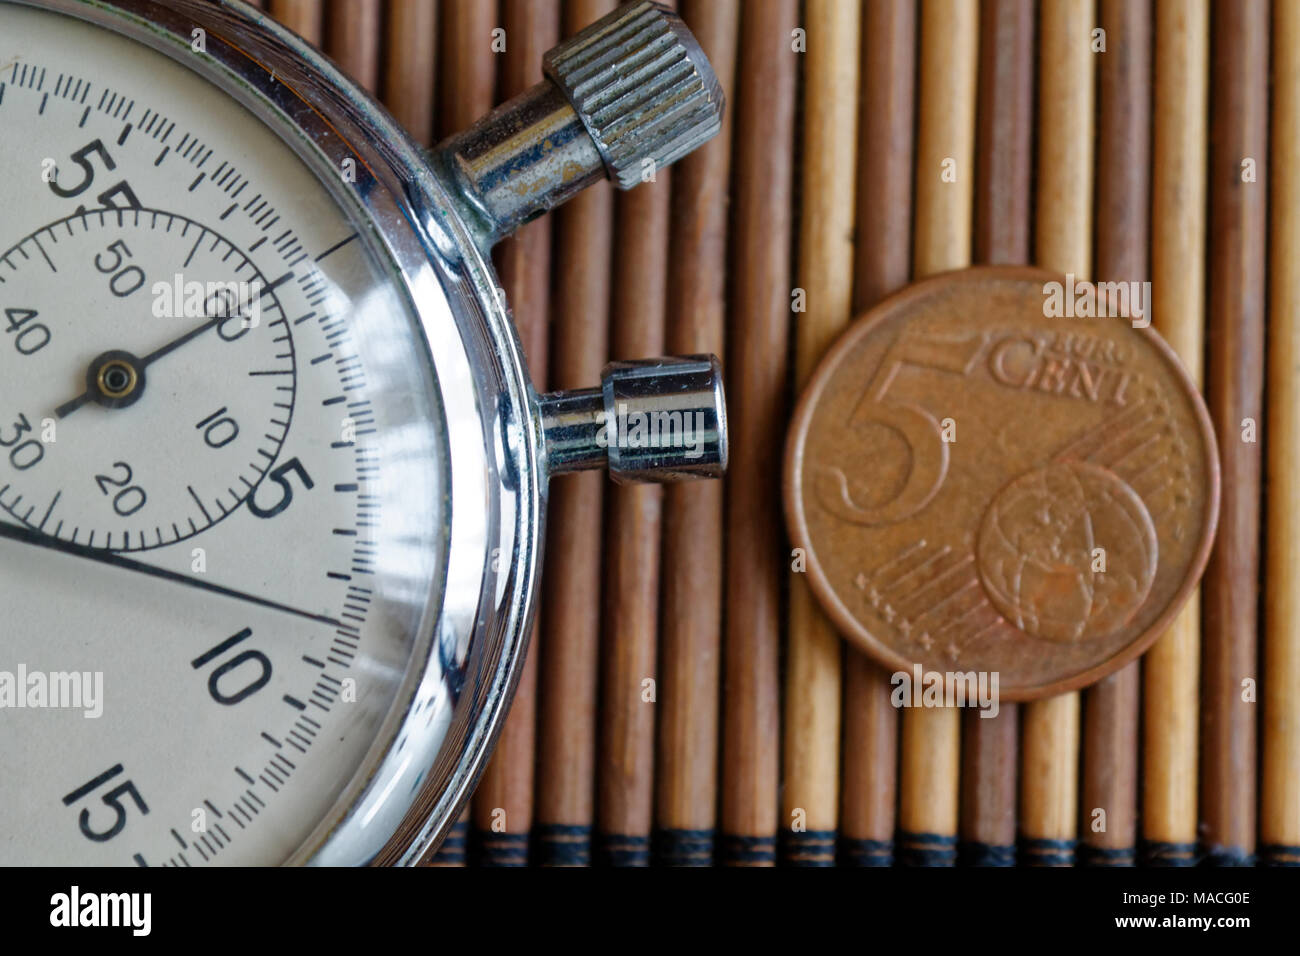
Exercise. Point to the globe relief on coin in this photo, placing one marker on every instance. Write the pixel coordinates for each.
(981, 484)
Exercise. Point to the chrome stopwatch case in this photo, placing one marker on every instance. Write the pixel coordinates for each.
(272, 472)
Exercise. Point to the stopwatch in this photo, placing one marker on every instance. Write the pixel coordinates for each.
(272, 471)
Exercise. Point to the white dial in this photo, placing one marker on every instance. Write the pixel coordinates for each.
(219, 468)
(216, 353)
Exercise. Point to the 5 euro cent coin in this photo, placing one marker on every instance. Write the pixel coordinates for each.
(980, 483)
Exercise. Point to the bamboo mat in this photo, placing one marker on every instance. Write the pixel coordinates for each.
(684, 702)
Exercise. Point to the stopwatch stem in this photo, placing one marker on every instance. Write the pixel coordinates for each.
(622, 99)
(653, 420)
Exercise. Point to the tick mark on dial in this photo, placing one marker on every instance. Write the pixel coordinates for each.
(49, 511)
(38, 245)
(194, 249)
(337, 246)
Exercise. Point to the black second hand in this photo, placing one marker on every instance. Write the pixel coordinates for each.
(40, 540)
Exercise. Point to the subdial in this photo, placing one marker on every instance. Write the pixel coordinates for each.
(147, 378)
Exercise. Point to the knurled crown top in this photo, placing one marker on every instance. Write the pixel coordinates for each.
(642, 87)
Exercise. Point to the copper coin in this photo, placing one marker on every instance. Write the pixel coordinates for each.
(982, 484)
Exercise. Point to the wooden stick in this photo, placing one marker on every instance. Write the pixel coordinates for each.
(1049, 771)
(1279, 829)
(988, 786)
(1063, 240)
(1110, 708)
(503, 802)
(1049, 778)
(632, 536)
(764, 116)
(1110, 778)
(882, 261)
(410, 76)
(1124, 141)
(303, 17)
(946, 139)
(1005, 135)
(629, 684)
(567, 678)
(467, 87)
(1171, 668)
(354, 38)
(810, 796)
(1002, 193)
(1238, 246)
(691, 627)
(882, 264)
(870, 779)
(945, 181)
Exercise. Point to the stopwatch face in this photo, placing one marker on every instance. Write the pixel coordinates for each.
(222, 468)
